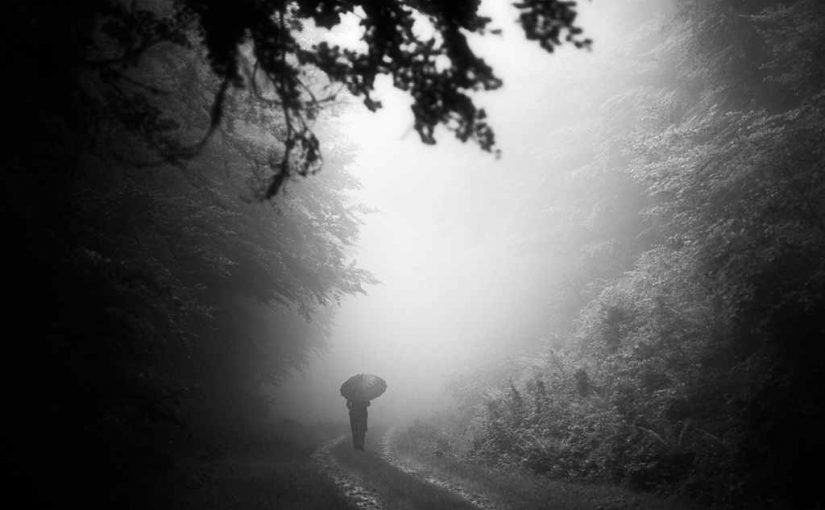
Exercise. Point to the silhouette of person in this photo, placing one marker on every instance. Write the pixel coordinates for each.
(358, 421)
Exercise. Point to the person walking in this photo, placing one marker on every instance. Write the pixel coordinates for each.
(359, 390)
(358, 421)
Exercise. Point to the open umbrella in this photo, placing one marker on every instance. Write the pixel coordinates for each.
(363, 387)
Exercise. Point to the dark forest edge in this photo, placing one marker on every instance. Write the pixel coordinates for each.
(272, 469)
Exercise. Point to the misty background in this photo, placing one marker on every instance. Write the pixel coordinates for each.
(452, 236)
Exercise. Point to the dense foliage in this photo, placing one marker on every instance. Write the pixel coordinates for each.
(697, 368)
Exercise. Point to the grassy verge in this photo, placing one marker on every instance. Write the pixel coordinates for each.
(271, 473)
(425, 449)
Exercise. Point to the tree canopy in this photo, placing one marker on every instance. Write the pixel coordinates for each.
(423, 46)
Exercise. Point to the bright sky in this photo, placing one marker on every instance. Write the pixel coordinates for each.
(451, 281)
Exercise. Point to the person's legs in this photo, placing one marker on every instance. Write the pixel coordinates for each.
(353, 425)
(362, 430)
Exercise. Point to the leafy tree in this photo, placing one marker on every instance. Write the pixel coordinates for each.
(437, 70)
(422, 46)
(157, 302)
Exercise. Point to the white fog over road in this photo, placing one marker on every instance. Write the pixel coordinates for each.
(445, 240)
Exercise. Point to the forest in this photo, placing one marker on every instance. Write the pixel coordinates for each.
(616, 253)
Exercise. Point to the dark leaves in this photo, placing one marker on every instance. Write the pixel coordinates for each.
(438, 72)
(551, 23)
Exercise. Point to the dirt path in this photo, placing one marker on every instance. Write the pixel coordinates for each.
(387, 477)
(346, 482)
(488, 487)
(389, 453)
(374, 479)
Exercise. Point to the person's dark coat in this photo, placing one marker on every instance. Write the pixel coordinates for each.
(358, 422)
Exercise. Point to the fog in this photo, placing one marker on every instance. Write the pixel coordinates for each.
(460, 288)
(624, 309)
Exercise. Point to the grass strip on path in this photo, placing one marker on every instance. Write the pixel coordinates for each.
(396, 489)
